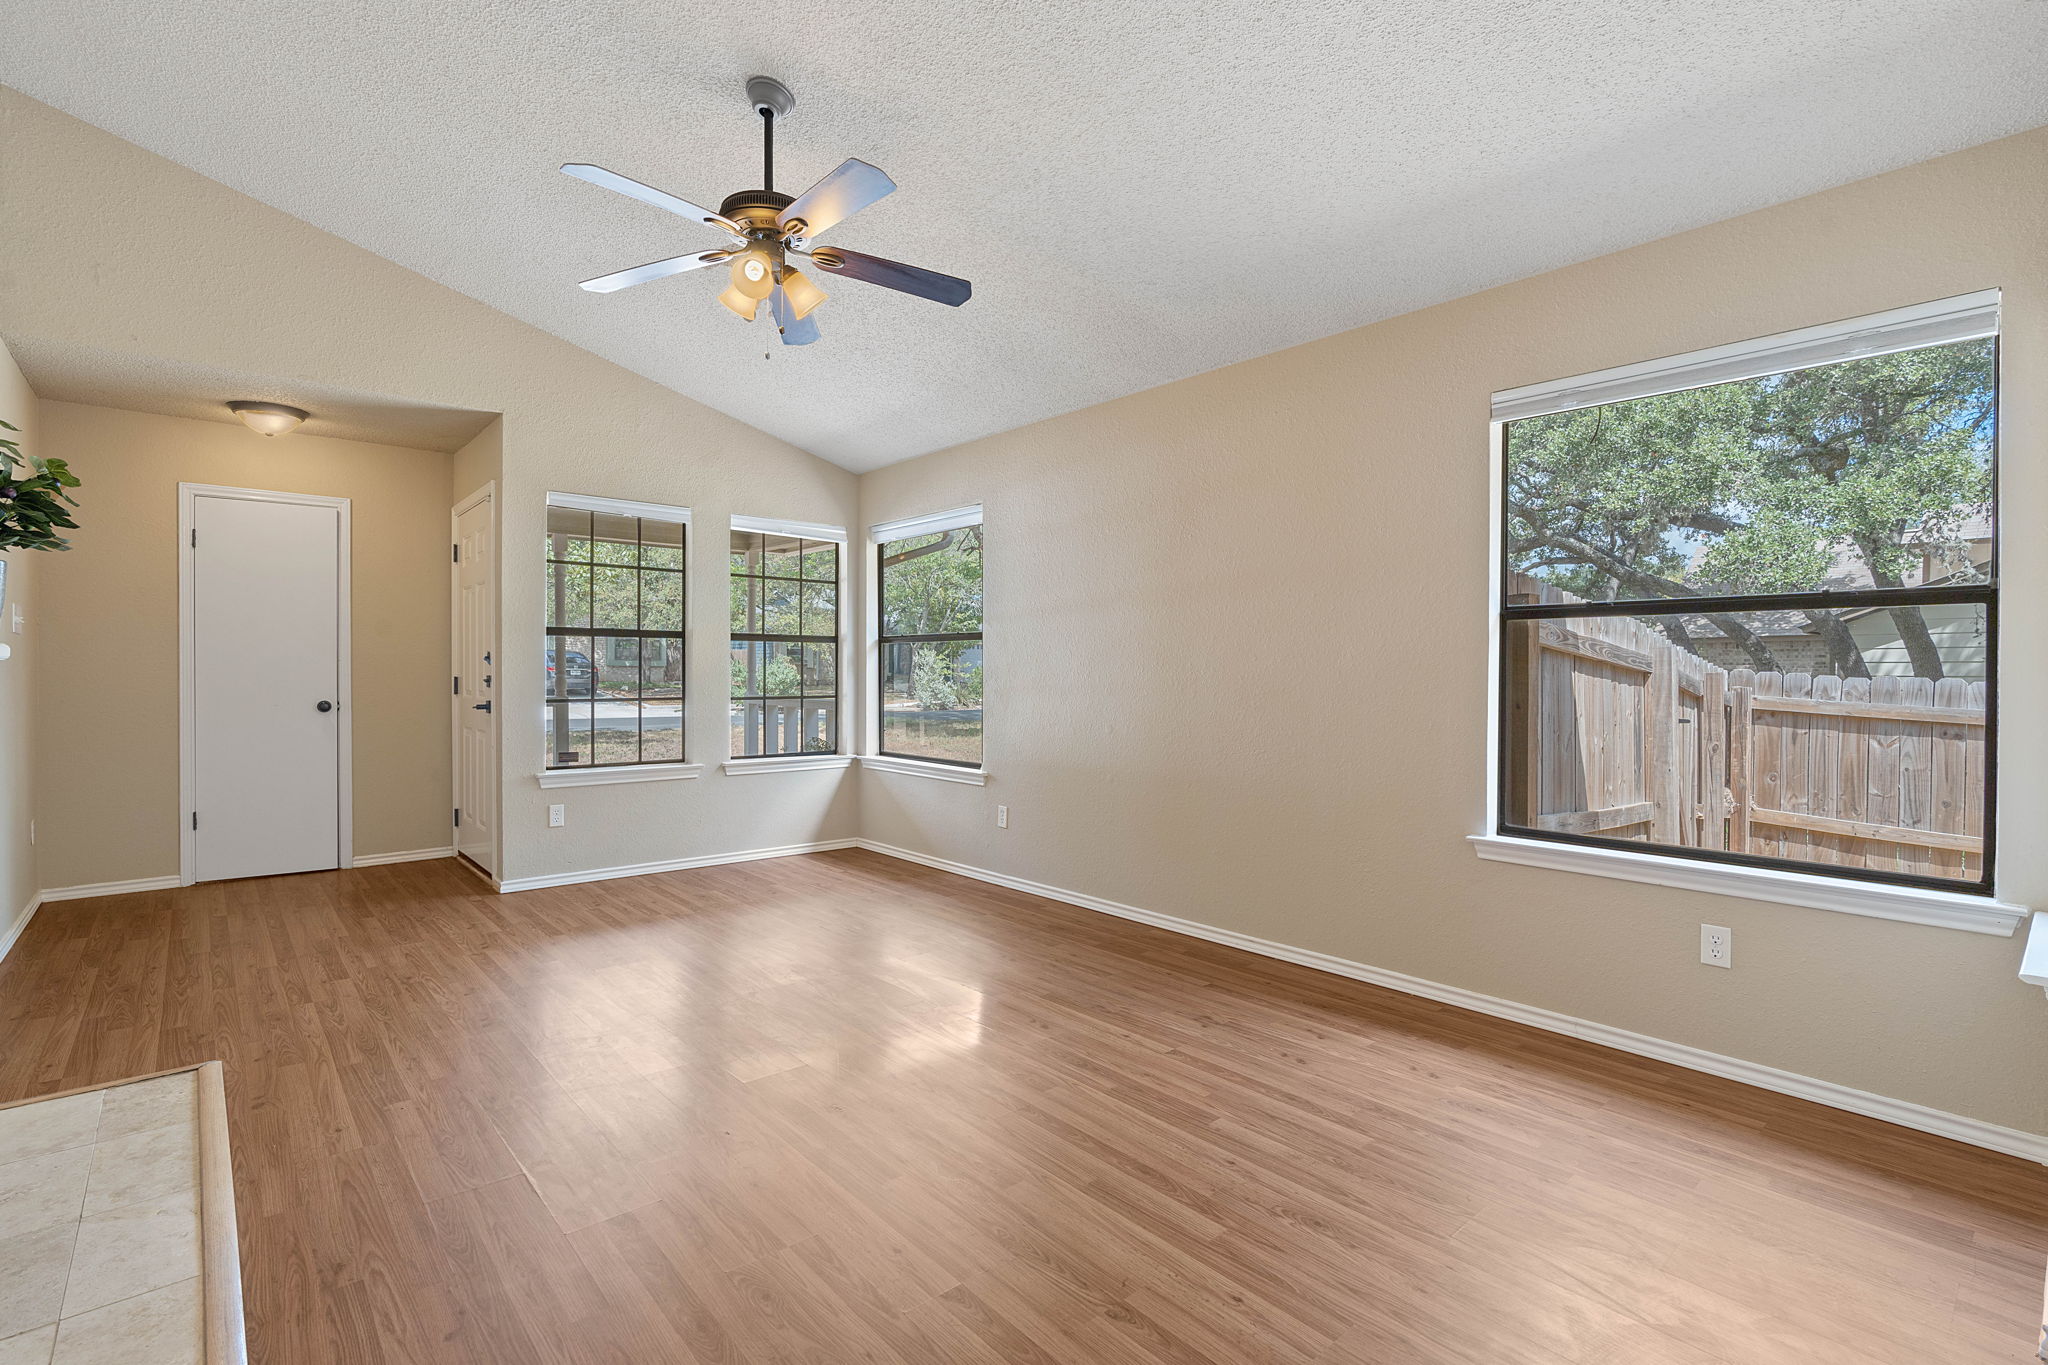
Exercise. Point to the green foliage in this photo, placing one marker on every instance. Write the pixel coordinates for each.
(779, 676)
(32, 504)
(931, 584)
(1768, 485)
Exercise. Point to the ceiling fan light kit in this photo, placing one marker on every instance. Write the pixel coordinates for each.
(766, 229)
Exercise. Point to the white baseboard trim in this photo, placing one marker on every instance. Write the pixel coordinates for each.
(1976, 1132)
(605, 874)
(14, 931)
(417, 855)
(76, 893)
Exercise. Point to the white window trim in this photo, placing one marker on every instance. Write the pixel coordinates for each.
(627, 772)
(913, 767)
(804, 529)
(871, 613)
(637, 772)
(656, 511)
(789, 763)
(1878, 900)
(1962, 318)
(842, 693)
(926, 524)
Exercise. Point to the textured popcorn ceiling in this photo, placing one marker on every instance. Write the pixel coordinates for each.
(1138, 192)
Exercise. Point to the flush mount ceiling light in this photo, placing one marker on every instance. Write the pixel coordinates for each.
(267, 419)
(767, 229)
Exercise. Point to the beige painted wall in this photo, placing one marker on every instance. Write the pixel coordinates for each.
(1221, 543)
(110, 246)
(108, 747)
(19, 881)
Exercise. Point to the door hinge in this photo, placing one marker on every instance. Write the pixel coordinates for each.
(456, 691)
(455, 554)
(195, 537)
(458, 817)
(195, 819)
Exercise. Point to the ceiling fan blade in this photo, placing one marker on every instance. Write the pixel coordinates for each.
(654, 270)
(908, 279)
(647, 194)
(796, 331)
(845, 191)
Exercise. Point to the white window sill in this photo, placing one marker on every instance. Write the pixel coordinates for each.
(943, 772)
(598, 777)
(795, 763)
(1948, 909)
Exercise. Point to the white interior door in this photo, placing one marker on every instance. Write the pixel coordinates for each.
(265, 686)
(476, 670)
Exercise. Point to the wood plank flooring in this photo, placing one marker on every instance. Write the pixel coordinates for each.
(839, 1108)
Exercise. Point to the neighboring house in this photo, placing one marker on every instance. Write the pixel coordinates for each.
(1957, 631)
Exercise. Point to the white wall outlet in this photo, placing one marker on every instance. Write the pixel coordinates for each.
(1717, 945)
(1002, 817)
(558, 816)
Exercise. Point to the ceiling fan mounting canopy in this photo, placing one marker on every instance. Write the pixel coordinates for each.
(769, 96)
(765, 228)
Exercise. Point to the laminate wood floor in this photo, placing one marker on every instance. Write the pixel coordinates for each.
(840, 1108)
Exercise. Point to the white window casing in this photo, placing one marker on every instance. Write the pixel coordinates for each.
(1961, 318)
(804, 529)
(653, 511)
(928, 524)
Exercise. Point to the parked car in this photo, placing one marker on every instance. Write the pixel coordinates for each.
(577, 676)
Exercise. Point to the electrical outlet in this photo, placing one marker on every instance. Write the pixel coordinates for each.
(558, 816)
(1002, 817)
(1717, 945)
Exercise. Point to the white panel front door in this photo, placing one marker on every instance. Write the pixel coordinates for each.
(266, 654)
(475, 677)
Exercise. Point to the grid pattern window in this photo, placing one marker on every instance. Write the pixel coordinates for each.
(785, 645)
(930, 639)
(1756, 621)
(615, 601)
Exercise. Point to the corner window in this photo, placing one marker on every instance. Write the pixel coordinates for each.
(929, 637)
(615, 600)
(1755, 620)
(785, 639)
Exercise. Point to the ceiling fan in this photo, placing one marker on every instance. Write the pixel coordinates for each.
(767, 229)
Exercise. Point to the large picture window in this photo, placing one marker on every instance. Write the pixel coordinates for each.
(785, 642)
(615, 582)
(1755, 620)
(929, 633)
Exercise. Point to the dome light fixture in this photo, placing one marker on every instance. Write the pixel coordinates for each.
(267, 419)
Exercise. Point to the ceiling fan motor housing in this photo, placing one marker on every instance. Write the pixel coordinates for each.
(755, 209)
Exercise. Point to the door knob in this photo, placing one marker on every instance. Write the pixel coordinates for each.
(324, 706)
(481, 706)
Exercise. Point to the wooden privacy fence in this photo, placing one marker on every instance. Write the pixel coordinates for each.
(1621, 733)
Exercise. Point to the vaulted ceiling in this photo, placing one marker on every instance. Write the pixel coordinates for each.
(1138, 192)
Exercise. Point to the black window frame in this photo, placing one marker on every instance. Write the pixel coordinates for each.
(1510, 612)
(883, 641)
(678, 518)
(805, 542)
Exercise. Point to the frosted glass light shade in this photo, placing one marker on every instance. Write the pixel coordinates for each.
(267, 419)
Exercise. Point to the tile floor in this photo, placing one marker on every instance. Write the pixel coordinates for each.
(99, 1227)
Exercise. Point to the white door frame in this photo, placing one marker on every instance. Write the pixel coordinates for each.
(487, 493)
(188, 738)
